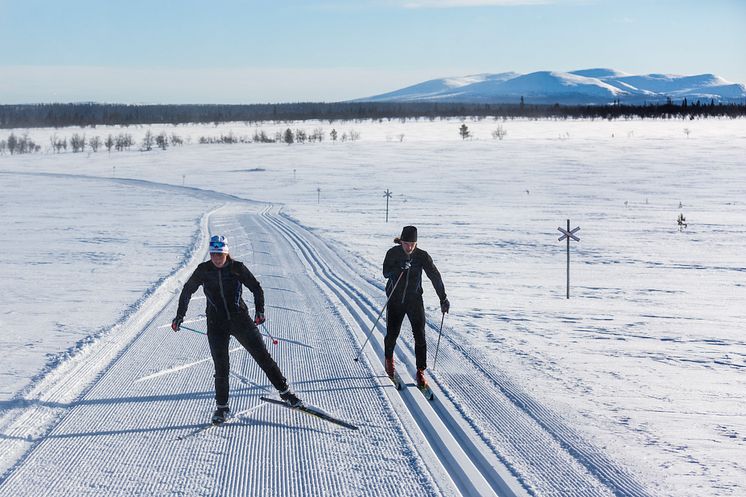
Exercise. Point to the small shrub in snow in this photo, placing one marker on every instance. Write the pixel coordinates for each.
(162, 140)
(94, 143)
(499, 132)
(288, 136)
(58, 144)
(77, 143)
(147, 141)
(464, 131)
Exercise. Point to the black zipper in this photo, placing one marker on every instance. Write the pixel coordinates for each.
(222, 295)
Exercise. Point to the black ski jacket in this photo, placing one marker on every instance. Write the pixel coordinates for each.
(223, 288)
(410, 284)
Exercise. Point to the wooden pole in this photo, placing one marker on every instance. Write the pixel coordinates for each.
(568, 260)
(387, 194)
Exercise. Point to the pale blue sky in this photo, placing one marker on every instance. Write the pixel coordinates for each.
(230, 51)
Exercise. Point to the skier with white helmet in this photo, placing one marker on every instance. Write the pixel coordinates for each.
(222, 279)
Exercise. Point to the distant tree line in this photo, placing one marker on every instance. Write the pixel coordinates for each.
(78, 142)
(94, 114)
(15, 145)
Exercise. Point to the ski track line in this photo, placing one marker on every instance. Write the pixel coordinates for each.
(584, 460)
(101, 446)
(308, 364)
(618, 481)
(349, 344)
(469, 432)
(471, 469)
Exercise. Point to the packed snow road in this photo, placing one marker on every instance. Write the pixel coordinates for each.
(128, 415)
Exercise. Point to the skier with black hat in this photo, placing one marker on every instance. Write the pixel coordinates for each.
(402, 267)
(222, 279)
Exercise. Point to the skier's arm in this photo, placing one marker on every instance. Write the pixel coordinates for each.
(434, 275)
(191, 286)
(391, 266)
(250, 282)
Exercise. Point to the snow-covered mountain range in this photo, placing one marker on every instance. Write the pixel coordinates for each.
(586, 86)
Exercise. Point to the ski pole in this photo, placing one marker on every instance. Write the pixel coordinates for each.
(438, 346)
(274, 340)
(379, 317)
(192, 329)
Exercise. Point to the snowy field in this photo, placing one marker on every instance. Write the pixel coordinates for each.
(638, 379)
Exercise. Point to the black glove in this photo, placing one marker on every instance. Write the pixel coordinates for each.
(176, 323)
(259, 319)
(406, 265)
(445, 306)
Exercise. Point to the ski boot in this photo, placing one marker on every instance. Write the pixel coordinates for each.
(423, 386)
(218, 417)
(288, 396)
(421, 380)
(389, 366)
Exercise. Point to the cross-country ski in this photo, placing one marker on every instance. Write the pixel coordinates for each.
(228, 419)
(397, 380)
(427, 392)
(311, 410)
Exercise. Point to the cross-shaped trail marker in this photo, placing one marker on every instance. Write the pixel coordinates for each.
(568, 234)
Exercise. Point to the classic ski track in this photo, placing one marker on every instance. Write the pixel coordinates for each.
(542, 446)
(98, 445)
(482, 424)
(475, 471)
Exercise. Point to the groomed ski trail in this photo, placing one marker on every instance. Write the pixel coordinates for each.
(119, 436)
(489, 435)
(116, 435)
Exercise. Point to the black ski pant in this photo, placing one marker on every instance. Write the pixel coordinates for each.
(414, 309)
(240, 325)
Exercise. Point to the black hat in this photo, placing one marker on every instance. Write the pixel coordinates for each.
(408, 234)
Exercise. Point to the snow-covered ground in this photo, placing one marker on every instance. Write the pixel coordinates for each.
(79, 255)
(634, 385)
